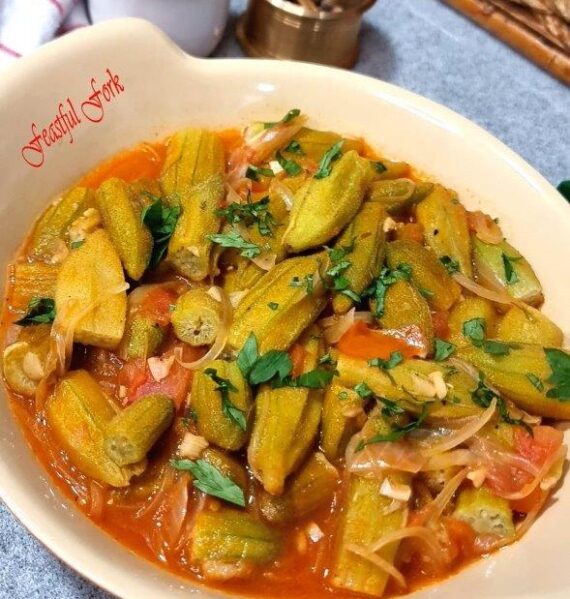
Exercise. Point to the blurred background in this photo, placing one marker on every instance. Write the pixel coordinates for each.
(504, 64)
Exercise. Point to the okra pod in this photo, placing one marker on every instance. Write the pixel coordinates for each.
(197, 317)
(309, 489)
(232, 537)
(446, 390)
(341, 406)
(523, 375)
(121, 213)
(285, 425)
(502, 267)
(485, 512)
(221, 399)
(365, 235)
(404, 306)
(192, 157)
(366, 518)
(528, 325)
(398, 195)
(382, 170)
(189, 249)
(427, 274)
(87, 279)
(132, 433)
(31, 279)
(323, 207)
(315, 143)
(142, 338)
(51, 229)
(444, 220)
(281, 305)
(79, 415)
(470, 309)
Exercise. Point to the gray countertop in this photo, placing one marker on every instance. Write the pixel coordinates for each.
(426, 47)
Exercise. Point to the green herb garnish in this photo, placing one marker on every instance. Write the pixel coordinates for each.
(474, 330)
(76, 244)
(559, 363)
(291, 167)
(390, 408)
(294, 147)
(511, 276)
(443, 349)
(325, 165)
(250, 213)
(379, 167)
(270, 365)
(233, 239)
(161, 220)
(292, 114)
(535, 381)
(395, 358)
(228, 408)
(398, 432)
(254, 172)
(363, 390)
(387, 277)
(41, 310)
(451, 265)
(210, 480)
(273, 305)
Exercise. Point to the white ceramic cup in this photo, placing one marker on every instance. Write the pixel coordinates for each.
(196, 26)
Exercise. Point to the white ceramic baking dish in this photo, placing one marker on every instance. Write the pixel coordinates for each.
(124, 82)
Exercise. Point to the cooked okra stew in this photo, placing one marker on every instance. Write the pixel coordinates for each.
(272, 359)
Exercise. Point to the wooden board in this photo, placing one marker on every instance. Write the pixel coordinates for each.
(517, 28)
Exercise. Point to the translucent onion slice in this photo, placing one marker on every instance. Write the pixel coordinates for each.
(498, 296)
(219, 343)
(543, 471)
(421, 532)
(265, 261)
(436, 507)
(97, 498)
(466, 432)
(375, 459)
(274, 138)
(334, 327)
(450, 459)
(379, 562)
(485, 227)
(283, 192)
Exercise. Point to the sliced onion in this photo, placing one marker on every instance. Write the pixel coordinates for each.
(486, 229)
(274, 138)
(499, 296)
(283, 192)
(450, 459)
(543, 471)
(334, 327)
(379, 562)
(466, 432)
(265, 261)
(491, 453)
(377, 458)
(165, 484)
(96, 500)
(220, 341)
(436, 507)
(421, 532)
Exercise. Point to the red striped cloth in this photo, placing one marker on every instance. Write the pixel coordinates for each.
(27, 24)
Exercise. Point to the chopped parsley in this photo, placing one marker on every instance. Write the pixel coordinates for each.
(306, 281)
(318, 378)
(398, 432)
(209, 480)
(325, 165)
(229, 409)
(292, 114)
(294, 147)
(254, 172)
(291, 167)
(379, 167)
(363, 390)
(273, 305)
(250, 213)
(395, 358)
(511, 275)
(161, 220)
(76, 244)
(535, 381)
(270, 365)
(442, 349)
(377, 291)
(233, 239)
(41, 310)
(474, 330)
(390, 408)
(327, 359)
(451, 265)
(559, 362)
